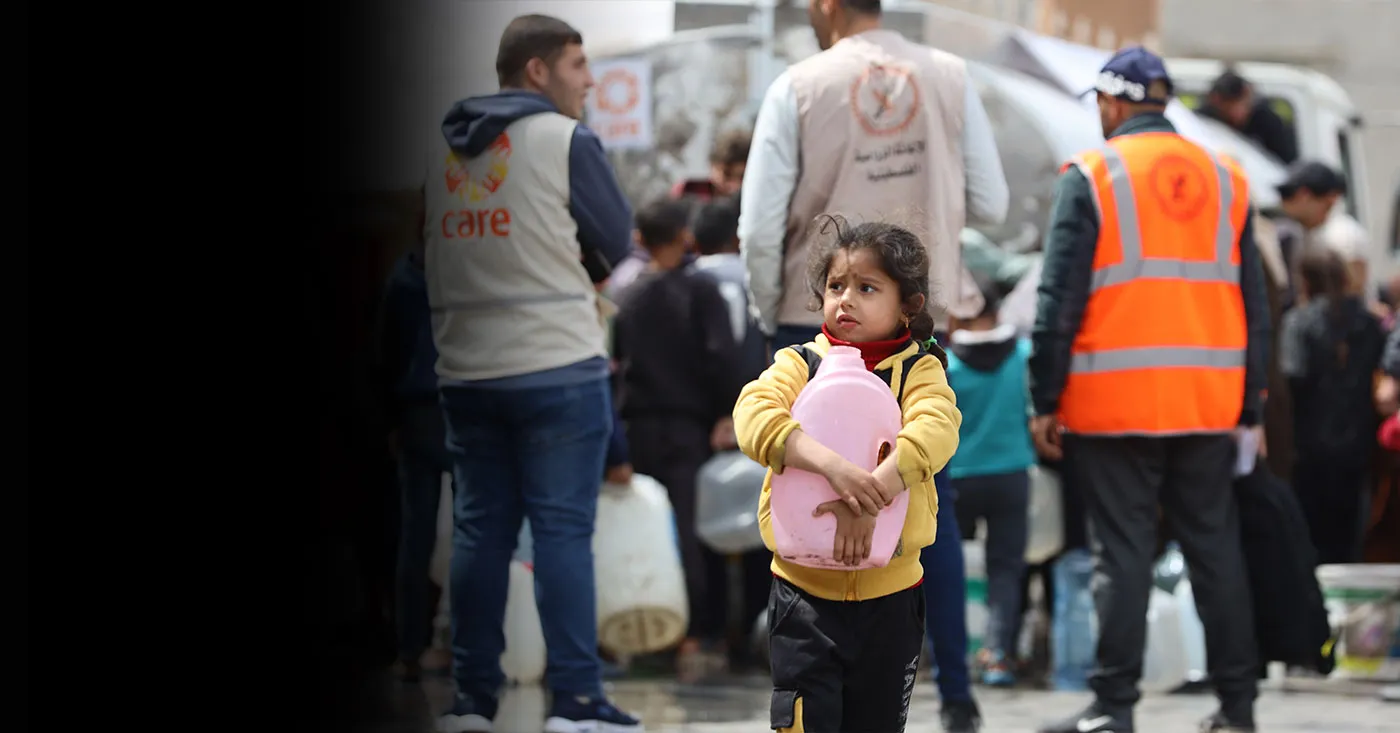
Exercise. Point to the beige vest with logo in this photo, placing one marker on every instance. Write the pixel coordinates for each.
(881, 140)
(508, 291)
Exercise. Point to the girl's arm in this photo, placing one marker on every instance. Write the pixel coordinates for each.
(767, 433)
(931, 422)
(763, 413)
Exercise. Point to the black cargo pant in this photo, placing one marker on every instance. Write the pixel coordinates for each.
(843, 666)
(1191, 478)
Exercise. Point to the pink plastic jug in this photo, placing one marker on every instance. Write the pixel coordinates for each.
(852, 412)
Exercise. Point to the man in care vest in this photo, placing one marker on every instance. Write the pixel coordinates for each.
(524, 218)
(1149, 357)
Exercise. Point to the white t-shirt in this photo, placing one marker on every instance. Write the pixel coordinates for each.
(1345, 236)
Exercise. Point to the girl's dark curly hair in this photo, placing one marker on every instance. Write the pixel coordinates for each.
(902, 256)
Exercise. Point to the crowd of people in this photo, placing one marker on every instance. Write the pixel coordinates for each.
(544, 337)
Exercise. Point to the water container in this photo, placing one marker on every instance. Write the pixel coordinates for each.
(1075, 626)
(1045, 535)
(524, 658)
(1164, 664)
(852, 412)
(1193, 631)
(726, 503)
(1363, 607)
(975, 567)
(640, 585)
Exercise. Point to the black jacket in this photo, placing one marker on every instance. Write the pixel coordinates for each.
(1290, 620)
(1330, 358)
(1068, 269)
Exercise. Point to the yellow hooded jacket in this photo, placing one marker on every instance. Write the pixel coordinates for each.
(763, 421)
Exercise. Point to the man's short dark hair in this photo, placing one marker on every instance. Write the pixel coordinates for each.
(661, 222)
(531, 37)
(731, 148)
(1229, 86)
(867, 7)
(716, 225)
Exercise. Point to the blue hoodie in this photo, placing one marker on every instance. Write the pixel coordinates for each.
(596, 200)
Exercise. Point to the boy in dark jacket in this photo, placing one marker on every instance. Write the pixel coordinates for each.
(675, 348)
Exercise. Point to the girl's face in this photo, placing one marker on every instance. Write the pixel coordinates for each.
(861, 302)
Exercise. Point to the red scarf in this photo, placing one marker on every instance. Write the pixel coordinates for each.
(873, 352)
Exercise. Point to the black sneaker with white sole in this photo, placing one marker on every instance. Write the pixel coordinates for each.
(1094, 719)
(469, 714)
(575, 714)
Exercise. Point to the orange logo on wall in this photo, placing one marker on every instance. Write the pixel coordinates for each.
(618, 92)
(461, 181)
(1179, 187)
(885, 99)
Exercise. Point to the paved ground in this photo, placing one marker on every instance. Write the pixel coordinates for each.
(741, 704)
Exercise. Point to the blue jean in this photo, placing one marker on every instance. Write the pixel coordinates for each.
(517, 453)
(423, 459)
(945, 593)
(1073, 630)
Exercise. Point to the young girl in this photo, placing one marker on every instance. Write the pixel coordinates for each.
(844, 645)
(1330, 351)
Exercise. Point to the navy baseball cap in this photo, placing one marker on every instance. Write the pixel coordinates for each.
(1129, 73)
(1315, 176)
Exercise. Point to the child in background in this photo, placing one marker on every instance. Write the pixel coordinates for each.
(679, 373)
(716, 229)
(1330, 349)
(844, 645)
(987, 369)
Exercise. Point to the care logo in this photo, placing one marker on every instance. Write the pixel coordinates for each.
(618, 92)
(473, 182)
(477, 180)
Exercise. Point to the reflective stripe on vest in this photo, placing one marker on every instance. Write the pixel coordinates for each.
(1161, 350)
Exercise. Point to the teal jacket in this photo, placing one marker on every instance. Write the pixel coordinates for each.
(1068, 268)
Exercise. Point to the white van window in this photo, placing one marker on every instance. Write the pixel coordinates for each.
(1344, 151)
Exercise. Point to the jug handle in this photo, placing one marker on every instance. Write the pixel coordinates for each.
(883, 452)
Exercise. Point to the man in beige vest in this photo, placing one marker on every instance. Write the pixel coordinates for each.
(875, 127)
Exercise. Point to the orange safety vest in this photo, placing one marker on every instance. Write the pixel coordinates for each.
(1161, 348)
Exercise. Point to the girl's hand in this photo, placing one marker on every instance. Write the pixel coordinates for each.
(862, 492)
(854, 533)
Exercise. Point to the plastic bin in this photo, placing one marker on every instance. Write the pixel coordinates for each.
(1363, 607)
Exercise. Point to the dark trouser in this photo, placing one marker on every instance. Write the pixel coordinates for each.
(1191, 478)
(517, 453)
(1330, 493)
(843, 666)
(671, 449)
(1001, 499)
(423, 459)
(945, 588)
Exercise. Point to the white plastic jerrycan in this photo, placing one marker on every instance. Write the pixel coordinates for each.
(524, 658)
(851, 411)
(642, 605)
